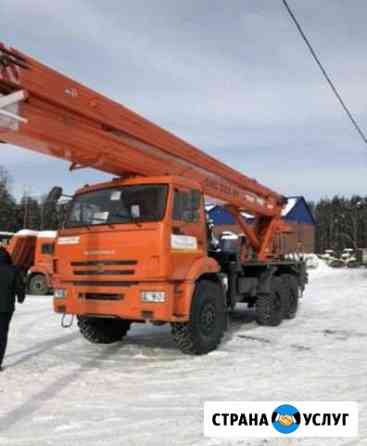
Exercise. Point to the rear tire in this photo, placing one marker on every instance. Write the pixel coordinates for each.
(292, 290)
(270, 306)
(205, 329)
(103, 330)
(38, 285)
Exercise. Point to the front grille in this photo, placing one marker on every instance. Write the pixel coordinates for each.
(104, 273)
(105, 262)
(101, 296)
(99, 267)
(100, 284)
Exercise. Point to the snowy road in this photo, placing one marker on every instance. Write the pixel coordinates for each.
(58, 389)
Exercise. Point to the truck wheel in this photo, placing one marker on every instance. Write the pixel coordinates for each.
(38, 285)
(292, 290)
(205, 328)
(103, 330)
(270, 306)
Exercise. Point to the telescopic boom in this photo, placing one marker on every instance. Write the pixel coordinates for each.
(47, 112)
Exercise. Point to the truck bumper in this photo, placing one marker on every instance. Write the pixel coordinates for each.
(125, 303)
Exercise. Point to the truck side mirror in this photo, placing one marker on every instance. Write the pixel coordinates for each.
(55, 194)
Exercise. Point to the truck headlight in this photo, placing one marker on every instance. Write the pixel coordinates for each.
(59, 293)
(153, 296)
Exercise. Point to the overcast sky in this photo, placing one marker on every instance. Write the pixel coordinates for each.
(232, 77)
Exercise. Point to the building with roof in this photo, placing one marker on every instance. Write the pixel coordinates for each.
(296, 214)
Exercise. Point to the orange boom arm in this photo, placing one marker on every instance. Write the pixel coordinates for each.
(47, 112)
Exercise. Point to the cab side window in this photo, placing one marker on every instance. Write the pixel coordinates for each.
(186, 205)
(47, 248)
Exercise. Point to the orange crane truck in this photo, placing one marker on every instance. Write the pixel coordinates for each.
(139, 248)
(33, 251)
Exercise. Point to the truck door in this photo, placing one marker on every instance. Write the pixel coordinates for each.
(188, 237)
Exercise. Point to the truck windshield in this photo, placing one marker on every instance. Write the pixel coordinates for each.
(127, 204)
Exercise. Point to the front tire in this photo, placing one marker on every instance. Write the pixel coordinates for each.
(270, 306)
(103, 330)
(38, 285)
(205, 329)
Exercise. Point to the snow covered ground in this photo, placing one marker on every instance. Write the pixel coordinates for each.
(60, 390)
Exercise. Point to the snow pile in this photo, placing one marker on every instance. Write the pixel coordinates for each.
(47, 234)
(39, 234)
(323, 269)
(27, 233)
(312, 261)
(291, 202)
